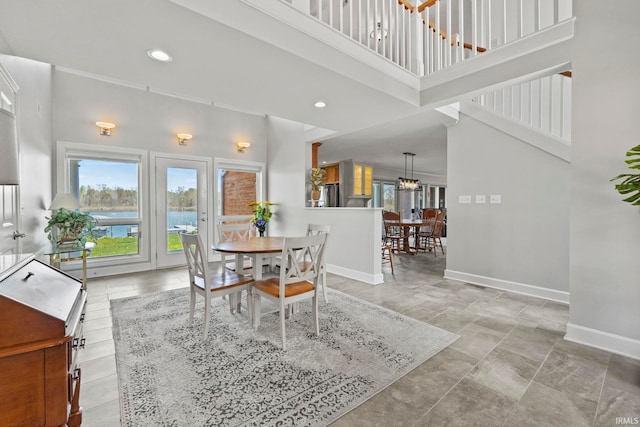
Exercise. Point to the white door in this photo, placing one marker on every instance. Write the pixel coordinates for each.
(9, 194)
(181, 207)
(9, 235)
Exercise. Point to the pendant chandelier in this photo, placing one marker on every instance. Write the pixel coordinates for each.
(404, 183)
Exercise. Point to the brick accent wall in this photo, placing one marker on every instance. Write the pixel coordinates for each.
(239, 189)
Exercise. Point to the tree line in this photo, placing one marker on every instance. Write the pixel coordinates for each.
(102, 197)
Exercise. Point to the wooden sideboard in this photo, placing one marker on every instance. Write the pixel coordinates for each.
(41, 315)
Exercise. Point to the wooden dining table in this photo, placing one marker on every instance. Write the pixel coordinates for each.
(406, 225)
(254, 248)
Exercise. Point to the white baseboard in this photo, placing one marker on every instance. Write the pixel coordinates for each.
(606, 341)
(506, 285)
(372, 279)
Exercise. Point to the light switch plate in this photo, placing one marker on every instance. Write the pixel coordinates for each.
(480, 199)
(464, 200)
(495, 199)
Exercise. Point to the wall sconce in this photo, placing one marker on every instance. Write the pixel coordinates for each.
(243, 145)
(379, 32)
(105, 128)
(183, 138)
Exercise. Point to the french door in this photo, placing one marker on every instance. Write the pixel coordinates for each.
(181, 206)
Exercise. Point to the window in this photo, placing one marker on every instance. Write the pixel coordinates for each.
(108, 185)
(237, 183)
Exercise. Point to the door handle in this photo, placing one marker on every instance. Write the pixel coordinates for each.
(17, 234)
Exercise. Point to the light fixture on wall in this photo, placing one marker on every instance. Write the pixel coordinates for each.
(242, 145)
(183, 138)
(379, 32)
(9, 164)
(64, 200)
(404, 183)
(105, 128)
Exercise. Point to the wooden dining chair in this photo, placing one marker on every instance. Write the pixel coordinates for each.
(425, 231)
(387, 255)
(435, 238)
(302, 259)
(392, 230)
(203, 282)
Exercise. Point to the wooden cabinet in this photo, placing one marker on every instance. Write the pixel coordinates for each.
(333, 173)
(41, 312)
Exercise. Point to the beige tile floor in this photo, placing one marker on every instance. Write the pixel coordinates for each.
(510, 367)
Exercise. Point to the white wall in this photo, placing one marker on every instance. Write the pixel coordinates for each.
(522, 244)
(605, 248)
(353, 248)
(150, 121)
(34, 140)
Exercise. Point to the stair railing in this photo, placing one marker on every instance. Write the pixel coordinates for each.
(437, 33)
(543, 104)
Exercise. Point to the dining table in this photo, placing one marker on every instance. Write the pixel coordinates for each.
(255, 248)
(406, 225)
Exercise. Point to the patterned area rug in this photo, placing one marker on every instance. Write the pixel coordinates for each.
(169, 376)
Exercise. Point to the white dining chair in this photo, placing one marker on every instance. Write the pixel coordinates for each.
(203, 282)
(302, 259)
(231, 232)
(313, 230)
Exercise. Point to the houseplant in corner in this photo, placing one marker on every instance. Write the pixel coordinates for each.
(261, 215)
(317, 179)
(630, 185)
(70, 227)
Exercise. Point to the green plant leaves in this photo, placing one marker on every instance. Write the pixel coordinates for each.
(630, 185)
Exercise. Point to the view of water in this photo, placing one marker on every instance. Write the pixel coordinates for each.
(175, 219)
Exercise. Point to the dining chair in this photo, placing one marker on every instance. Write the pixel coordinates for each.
(302, 259)
(435, 238)
(422, 239)
(203, 282)
(314, 230)
(387, 256)
(231, 232)
(392, 230)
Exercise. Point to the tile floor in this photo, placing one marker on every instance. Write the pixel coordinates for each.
(510, 366)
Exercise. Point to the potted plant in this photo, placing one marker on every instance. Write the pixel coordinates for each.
(317, 179)
(630, 185)
(261, 215)
(70, 227)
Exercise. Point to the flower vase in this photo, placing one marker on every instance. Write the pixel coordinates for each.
(315, 196)
(261, 232)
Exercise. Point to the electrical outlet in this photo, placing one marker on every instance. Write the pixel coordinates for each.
(464, 200)
(495, 199)
(480, 199)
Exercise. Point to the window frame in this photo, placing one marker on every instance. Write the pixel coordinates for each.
(67, 151)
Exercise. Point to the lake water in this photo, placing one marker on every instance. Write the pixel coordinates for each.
(175, 218)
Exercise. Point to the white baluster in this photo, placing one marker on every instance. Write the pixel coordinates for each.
(489, 26)
(360, 31)
(537, 16)
(367, 23)
(474, 27)
(331, 13)
(504, 22)
(439, 58)
(448, 35)
(461, 27)
(320, 5)
(520, 31)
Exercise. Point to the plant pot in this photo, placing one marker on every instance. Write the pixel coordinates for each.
(315, 196)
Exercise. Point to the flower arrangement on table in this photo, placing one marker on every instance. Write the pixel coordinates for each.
(261, 215)
(318, 176)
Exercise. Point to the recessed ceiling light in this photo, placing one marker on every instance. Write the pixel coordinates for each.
(320, 104)
(159, 55)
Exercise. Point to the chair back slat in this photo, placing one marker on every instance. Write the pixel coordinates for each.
(302, 258)
(196, 259)
(233, 232)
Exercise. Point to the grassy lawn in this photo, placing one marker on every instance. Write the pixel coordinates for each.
(112, 246)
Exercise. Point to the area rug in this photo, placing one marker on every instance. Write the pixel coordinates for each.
(169, 376)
